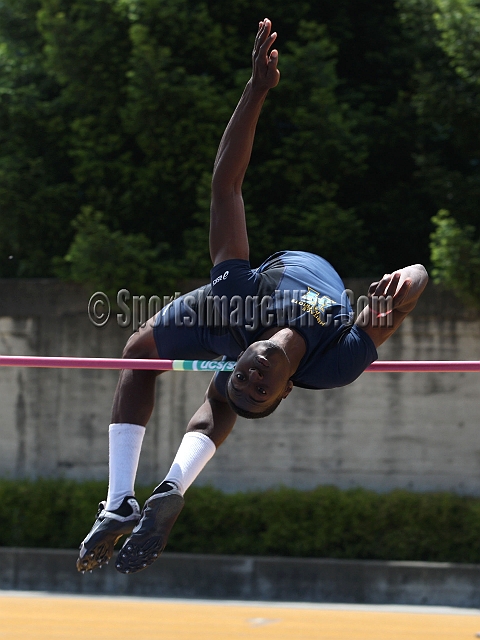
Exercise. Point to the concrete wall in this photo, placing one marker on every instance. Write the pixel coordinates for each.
(178, 575)
(413, 430)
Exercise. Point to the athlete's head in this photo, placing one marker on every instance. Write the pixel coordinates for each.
(260, 380)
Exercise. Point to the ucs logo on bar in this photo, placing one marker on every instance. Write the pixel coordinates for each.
(214, 365)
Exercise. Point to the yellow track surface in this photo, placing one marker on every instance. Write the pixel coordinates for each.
(48, 617)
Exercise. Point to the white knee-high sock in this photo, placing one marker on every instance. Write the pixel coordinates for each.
(195, 450)
(124, 445)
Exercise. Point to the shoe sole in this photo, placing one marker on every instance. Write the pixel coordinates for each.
(99, 548)
(144, 546)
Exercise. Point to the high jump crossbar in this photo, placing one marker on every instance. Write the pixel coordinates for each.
(391, 366)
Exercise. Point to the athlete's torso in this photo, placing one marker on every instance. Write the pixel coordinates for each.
(291, 288)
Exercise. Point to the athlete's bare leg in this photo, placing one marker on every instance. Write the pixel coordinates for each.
(135, 393)
(132, 408)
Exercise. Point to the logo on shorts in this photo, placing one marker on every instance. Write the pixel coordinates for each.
(223, 276)
(316, 304)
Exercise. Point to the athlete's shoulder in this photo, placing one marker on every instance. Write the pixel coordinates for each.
(225, 267)
(233, 277)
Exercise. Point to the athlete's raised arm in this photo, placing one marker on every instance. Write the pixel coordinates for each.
(228, 231)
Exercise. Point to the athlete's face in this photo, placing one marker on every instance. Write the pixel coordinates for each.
(261, 377)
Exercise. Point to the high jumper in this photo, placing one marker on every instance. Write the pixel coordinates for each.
(299, 332)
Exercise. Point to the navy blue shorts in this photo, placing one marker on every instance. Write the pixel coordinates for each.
(175, 339)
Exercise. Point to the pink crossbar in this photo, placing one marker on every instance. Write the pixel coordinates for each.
(84, 363)
(429, 366)
(426, 366)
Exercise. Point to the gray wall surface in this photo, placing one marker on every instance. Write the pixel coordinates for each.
(386, 430)
(179, 575)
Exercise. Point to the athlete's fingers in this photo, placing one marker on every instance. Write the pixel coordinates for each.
(263, 33)
(267, 43)
(273, 60)
(381, 286)
(273, 73)
(257, 37)
(258, 53)
(402, 293)
(392, 285)
(388, 288)
(264, 61)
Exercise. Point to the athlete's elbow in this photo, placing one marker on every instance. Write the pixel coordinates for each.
(423, 276)
(419, 275)
(421, 269)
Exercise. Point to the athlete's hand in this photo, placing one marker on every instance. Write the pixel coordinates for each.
(265, 74)
(388, 289)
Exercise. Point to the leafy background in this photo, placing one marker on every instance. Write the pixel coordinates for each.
(111, 112)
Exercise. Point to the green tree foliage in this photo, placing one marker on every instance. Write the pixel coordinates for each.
(117, 106)
(305, 144)
(456, 258)
(295, 187)
(104, 258)
(446, 99)
(174, 111)
(458, 22)
(447, 102)
(37, 195)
